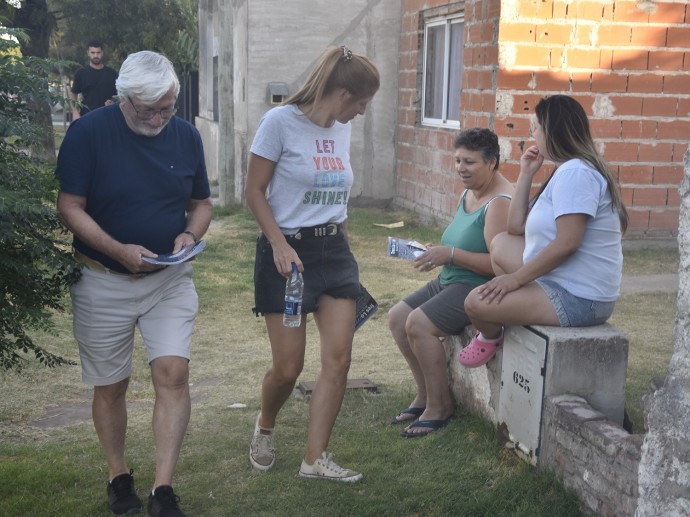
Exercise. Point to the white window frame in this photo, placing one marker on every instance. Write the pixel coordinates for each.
(446, 21)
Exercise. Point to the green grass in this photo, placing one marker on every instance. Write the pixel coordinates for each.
(460, 470)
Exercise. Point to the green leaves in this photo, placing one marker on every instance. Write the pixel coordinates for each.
(36, 266)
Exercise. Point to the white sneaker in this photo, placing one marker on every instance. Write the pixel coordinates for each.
(325, 468)
(262, 455)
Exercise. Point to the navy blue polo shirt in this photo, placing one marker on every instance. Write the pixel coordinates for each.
(136, 187)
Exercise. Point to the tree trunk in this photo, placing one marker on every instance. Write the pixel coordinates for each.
(38, 22)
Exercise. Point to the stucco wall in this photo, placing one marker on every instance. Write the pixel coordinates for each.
(284, 41)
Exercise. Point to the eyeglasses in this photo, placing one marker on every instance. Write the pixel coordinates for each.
(149, 114)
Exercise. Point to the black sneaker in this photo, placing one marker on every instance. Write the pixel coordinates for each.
(122, 497)
(164, 503)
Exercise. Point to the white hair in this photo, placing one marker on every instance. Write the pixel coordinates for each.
(148, 76)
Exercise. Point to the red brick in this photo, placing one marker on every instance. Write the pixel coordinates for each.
(624, 59)
(629, 12)
(656, 152)
(683, 107)
(627, 105)
(620, 152)
(605, 128)
(668, 13)
(645, 83)
(678, 37)
(627, 196)
(513, 126)
(554, 34)
(581, 81)
(644, 36)
(556, 57)
(677, 84)
(665, 60)
(668, 174)
(609, 82)
(491, 55)
(649, 196)
(606, 59)
(686, 61)
(614, 35)
(558, 81)
(560, 9)
(532, 56)
(525, 103)
(679, 151)
(582, 58)
(517, 32)
(589, 10)
(638, 219)
(674, 130)
(673, 198)
(666, 219)
(659, 106)
(514, 79)
(635, 174)
(584, 35)
(639, 129)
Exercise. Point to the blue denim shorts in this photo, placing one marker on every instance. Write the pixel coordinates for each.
(574, 311)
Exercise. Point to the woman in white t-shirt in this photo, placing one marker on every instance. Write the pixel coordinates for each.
(298, 184)
(561, 261)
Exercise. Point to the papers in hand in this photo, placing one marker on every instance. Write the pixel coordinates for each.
(170, 259)
(404, 249)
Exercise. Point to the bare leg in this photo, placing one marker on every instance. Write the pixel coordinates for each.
(336, 322)
(287, 348)
(427, 347)
(170, 376)
(529, 305)
(109, 412)
(397, 319)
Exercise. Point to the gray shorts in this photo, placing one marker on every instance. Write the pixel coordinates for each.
(574, 311)
(444, 305)
(107, 308)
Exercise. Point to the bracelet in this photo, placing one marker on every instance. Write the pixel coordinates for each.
(452, 255)
(192, 234)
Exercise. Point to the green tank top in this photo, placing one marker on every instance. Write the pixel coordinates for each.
(466, 232)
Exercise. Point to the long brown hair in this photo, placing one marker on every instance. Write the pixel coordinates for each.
(338, 67)
(567, 135)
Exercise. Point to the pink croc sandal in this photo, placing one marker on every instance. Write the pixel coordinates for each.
(478, 352)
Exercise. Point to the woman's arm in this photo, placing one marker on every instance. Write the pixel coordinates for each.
(530, 163)
(259, 175)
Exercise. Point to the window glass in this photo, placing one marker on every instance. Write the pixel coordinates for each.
(442, 81)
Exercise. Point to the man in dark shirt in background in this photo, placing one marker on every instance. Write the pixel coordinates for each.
(95, 82)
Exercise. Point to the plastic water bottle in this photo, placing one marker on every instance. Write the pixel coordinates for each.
(294, 290)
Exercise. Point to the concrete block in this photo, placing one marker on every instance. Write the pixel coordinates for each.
(590, 362)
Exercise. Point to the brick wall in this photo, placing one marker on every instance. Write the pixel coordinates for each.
(627, 62)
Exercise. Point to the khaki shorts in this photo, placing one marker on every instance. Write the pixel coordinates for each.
(107, 308)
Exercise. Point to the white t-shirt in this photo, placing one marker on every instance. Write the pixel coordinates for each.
(312, 178)
(594, 271)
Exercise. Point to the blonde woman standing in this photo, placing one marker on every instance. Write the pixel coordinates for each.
(298, 184)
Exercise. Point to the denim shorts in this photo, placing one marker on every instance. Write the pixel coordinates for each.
(444, 305)
(329, 268)
(574, 311)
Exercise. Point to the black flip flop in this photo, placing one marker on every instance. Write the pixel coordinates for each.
(432, 425)
(416, 412)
